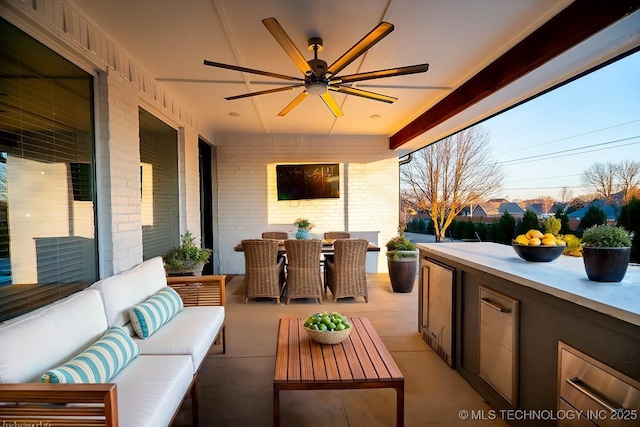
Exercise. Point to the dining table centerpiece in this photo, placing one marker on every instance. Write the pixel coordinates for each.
(304, 225)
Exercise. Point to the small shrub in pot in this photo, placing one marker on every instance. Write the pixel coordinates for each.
(606, 252)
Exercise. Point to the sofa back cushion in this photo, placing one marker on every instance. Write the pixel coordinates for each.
(129, 288)
(51, 336)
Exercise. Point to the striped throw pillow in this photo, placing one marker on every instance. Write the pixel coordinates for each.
(99, 363)
(149, 316)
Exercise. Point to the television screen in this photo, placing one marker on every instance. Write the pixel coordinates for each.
(312, 181)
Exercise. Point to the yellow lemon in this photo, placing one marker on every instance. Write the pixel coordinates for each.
(561, 242)
(549, 241)
(534, 242)
(522, 239)
(534, 233)
(549, 236)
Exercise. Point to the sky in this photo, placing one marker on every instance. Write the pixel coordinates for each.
(548, 142)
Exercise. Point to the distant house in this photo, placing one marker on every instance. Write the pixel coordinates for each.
(538, 209)
(610, 211)
(496, 208)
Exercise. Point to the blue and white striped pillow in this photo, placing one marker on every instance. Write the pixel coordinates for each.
(99, 363)
(148, 317)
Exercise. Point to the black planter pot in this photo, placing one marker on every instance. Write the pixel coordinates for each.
(606, 264)
(402, 273)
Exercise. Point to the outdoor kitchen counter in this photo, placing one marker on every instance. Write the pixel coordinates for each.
(553, 303)
(564, 278)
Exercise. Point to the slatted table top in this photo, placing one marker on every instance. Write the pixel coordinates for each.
(362, 357)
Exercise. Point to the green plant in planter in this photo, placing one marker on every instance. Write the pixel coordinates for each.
(397, 246)
(606, 252)
(187, 256)
(607, 236)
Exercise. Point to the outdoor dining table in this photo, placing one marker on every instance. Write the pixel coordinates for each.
(327, 247)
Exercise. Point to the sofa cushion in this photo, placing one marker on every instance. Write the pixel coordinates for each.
(51, 336)
(149, 316)
(191, 332)
(98, 363)
(131, 287)
(151, 389)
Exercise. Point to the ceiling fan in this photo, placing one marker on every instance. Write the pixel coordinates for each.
(318, 78)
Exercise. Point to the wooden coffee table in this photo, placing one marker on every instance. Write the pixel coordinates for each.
(360, 361)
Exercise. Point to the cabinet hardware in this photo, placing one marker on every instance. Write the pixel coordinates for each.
(583, 388)
(494, 306)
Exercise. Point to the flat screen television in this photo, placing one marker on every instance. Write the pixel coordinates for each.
(310, 181)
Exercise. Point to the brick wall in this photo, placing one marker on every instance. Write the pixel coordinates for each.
(248, 202)
(118, 151)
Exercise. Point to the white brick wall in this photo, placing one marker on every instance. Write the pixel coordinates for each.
(119, 190)
(248, 202)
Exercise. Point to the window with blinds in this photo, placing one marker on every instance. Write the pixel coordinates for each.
(47, 199)
(159, 186)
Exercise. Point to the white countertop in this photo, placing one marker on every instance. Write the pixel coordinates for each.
(564, 278)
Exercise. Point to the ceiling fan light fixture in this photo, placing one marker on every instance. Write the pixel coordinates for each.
(316, 88)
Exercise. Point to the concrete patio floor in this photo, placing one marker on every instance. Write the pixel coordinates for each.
(236, 389)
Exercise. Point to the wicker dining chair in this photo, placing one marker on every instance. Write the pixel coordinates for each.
(263, 272)
(346, 273)
(331, 236)
(303, 273)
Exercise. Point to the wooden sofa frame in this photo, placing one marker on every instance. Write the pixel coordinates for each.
(97, 404)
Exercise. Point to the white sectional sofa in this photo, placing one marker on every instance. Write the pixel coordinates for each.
(160, 371)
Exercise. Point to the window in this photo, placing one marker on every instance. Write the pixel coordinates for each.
(159, 182)
(47, 201)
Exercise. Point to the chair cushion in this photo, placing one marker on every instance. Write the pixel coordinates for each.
(190, 332)
(99, 363)
(148, 317)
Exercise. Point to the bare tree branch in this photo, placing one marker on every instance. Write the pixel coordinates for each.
(629, 178)
(600, 177)
(451, 174)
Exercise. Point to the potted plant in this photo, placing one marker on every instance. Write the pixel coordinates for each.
(186, 259)
(606, 251)
(304, 225)
(402, 261)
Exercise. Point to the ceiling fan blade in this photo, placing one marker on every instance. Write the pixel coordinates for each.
(332, 104)
(364, 93)
(391, 72)
(297, 100)
(262, 92)
(374, 36)
(252, 71)
(283, 39)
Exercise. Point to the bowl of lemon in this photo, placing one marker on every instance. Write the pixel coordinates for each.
(327, 328)
(536, 246)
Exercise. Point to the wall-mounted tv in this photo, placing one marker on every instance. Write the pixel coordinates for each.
(310, 181)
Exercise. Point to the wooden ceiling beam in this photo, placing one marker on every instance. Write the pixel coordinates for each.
(571, 26)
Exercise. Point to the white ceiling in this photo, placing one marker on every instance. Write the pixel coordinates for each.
(170, 39)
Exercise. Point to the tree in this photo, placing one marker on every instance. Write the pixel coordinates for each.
(601, 177)
(594, 216)
(630, 220)
(566, 194)
(564, 220)
(529, 221)
(450, 174)
(547, 203)
(628, 178)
